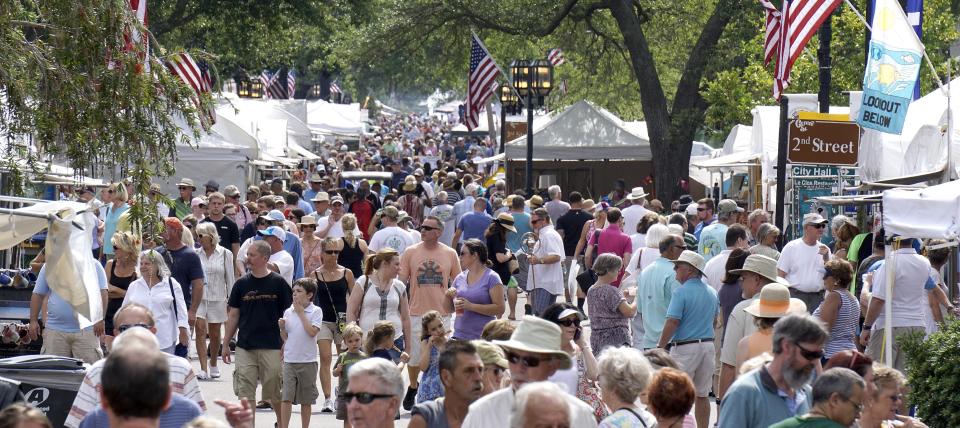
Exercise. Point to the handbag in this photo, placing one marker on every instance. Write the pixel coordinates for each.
(588, 277)
(178, 350)
(341, 316)
(513, 266)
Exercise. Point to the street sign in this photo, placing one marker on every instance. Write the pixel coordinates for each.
(822, 142)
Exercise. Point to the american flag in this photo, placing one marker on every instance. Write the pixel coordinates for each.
(266, 79)
(335, 88)
(480, 84)
(291, 84)
(555, 56)
(197, 76)
(275, 87)
(802, 18)
(133, 41)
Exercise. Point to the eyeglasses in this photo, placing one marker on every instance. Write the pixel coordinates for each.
(363, 397)
(331, 252)
(310, 226)
(526, 361)
(497, 370)
(428, 228)
(808, 354)
(856, 406)
(124, 327)
(569, 322)
(818, 226)
(535, 221)
(183, 188)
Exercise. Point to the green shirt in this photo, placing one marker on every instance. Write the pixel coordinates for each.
(806, 422)
(346, 360)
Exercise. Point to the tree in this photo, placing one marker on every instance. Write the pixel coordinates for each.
(73, 87)
(668, 75)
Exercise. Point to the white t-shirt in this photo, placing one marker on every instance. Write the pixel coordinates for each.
(549, 276)
(494, 410)
(300, 347)
(909, 296)
(445, 214)
(284, 262)
(336, 231)
(640, 259)
(715, 269)
(638, 240)
(390, 237)
(632, 216)
(803, 265)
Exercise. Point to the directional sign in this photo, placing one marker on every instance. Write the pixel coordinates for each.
(823, 142)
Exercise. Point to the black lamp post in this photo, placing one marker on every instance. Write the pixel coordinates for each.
(256, 88)
(533, 80)
(509, 104)
(243, 88)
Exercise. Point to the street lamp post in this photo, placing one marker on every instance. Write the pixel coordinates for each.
(533, 80)
(509, 103)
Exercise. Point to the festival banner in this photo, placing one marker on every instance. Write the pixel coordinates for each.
(893, 66)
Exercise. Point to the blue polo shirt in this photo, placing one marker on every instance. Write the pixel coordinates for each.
(473, 225)
(695, 304)
(60, 315)
(655, 289)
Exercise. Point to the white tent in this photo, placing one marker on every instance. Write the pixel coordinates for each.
(738, 140)
(344, 120)
(582, 132)
(940, 205)
(223, 154)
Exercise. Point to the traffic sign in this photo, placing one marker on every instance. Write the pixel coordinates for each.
(822, 142)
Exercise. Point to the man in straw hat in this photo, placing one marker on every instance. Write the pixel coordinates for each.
(779, 389)
(757, 272)
(633, 213)
(534, 355)
(181, 205)
(688, 331)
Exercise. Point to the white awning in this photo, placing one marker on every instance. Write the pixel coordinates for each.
(301, 151)
(490, 159)
(736, 160)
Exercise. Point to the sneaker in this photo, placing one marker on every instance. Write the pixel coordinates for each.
(264, 405)
(203, 376)
(328, 406)
(214, 372)
(409, 398)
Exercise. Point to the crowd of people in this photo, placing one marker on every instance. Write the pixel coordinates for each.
(692, 309)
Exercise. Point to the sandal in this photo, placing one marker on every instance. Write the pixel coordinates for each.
(264, 405)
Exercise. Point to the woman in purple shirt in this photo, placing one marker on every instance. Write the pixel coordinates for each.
(476, 294)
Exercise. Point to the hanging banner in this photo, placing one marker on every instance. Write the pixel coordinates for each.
(893, 66)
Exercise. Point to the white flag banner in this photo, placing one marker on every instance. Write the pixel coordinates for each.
(71, 270)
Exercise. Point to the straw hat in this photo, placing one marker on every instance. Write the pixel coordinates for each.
(691, 258)
(491, 354)
(186, 182)
(536, 201)
(307, 220)
(506, 220)
(636, 193)
(588, 205)
(537, 336)
(775, 302)
(763, 266)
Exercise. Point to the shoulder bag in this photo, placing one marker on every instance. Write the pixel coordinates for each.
(178, 350)
(341, 316)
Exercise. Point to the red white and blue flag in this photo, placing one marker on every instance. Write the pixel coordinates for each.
(291, 84)
(481, 81)
(196, 74)
(788, 32)
(335, 88)
(555, 56)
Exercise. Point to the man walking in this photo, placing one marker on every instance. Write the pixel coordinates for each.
(801, 262)
(390, 235)
(184, 264)
(636, 210)
(713, 237)
(226, 228)
(555, 206)
(545, 276)
(688, 331)
(473, 224)
(257, 302)
(654, 291)
(461, 372)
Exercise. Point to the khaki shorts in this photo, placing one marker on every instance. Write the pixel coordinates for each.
(416, 330)
(212, 312)
(300, 383)
(875, 345)
(253, 365)
(697, 361)
(82, 345)
(328, 331)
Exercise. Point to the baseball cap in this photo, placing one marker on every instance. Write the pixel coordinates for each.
(692, 209)
(727, 206)
(813, 218)
(273, 215)
(198, 201)
(274, 231)
(321, 197)
(231, 191)
(336, 199)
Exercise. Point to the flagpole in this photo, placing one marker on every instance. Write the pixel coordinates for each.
(506, 76)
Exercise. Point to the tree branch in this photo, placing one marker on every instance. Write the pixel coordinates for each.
(688, 89)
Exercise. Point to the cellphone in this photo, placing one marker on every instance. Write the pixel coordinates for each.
(576, 335)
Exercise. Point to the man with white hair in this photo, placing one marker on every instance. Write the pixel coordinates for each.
(543, 402)
(633, 213)
(183, 379)
(556, 207)
(373, 393)
(465, 206)
(444, 211)
(534, 354)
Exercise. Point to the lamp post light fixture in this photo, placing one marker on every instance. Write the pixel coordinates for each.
(256, 88)
(533, 80)
(243, 88)
(509, 104)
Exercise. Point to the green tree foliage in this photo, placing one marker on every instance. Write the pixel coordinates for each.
(732, 93)
(933, 372)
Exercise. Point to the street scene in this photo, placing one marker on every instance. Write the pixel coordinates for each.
(524, 213)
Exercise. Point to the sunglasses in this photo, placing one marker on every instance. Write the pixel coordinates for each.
(818, 226)
(536, 221)
(331, 252)
(184, 188)
(808, 354)
(569, 322)
(124, 327)
(363, 397)
(526, 361)
(428, 228)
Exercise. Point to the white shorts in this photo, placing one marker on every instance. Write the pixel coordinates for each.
(212, 312)
(697, 361)
(416, 330)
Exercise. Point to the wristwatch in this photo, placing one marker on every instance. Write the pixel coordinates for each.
(866, 327)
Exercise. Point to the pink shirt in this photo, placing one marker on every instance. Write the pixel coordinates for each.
(613, 241)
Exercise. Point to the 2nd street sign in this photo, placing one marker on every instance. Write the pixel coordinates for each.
(822, 142)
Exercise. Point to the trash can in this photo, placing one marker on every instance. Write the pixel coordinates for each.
(49, 383)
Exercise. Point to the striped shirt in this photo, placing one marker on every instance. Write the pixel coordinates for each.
(844, 330)
(183, 382)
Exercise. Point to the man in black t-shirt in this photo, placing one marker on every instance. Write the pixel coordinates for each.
(256, 303)
(226, 228)
(184, 264)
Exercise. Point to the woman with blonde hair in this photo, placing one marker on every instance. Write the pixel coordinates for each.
(157, 290)
(121, 271)
(354, 247)
(380, 296)
(189, 235)
(334, 284)
(111, 221)
(219, 275)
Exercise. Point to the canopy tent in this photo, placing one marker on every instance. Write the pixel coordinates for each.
(940, 206)
(738, 140)
(341, 120)
(583, 131)
(223, 153)
(265, 117)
